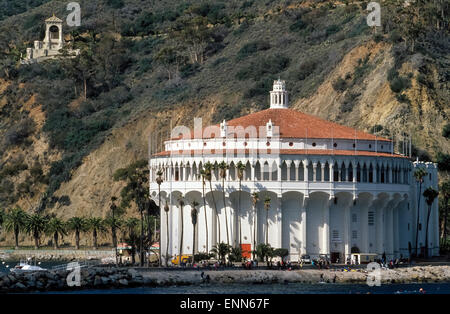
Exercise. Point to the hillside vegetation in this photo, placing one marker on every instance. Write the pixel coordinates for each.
(66, 125)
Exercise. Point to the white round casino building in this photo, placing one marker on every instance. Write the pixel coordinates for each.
(333, 189)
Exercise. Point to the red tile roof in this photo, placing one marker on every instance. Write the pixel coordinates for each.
(329, 152)
(295, 124)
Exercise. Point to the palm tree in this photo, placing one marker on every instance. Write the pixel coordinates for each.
(267, 208)
(203, 174)
(166, 209)
(221, 250)
(209, 167)
(159, 181)
(112, 222)
(181, 203)
(445, 190)
(35, 225)
(56, 227)
(430, 195)
(240, 167)
(419, 174)
(194, 214)
(131, 226)
(223, 167)
(15, 221)
(77, 224)
(255, 199)
(96, 225)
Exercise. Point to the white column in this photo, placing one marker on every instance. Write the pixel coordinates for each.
(326, 229)
(296, 165)
(331, 172)
(389, 234)
(322, 171)
(288, 171)
(305, 170)
(347, 224)
(303, 225)
(379, 229)
(314, 171)
(365, 229)
(279, 222)
(396, 233)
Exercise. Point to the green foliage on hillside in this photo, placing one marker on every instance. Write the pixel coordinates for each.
(137, 57)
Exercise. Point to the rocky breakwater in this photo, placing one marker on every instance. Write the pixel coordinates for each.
(109, 277)
(92, 278)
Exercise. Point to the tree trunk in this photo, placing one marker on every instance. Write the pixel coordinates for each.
(193, 244)
(254, 230)
(417, 222)
(267, 227)
(167, 240)
(238, 212)
(426, 231)
(36, 242)
(141, 249)
(94, 235)
(16, 237)
(444, 233)
(55, 240)
(114, 237)
(160, 236)
(206, 219)
(77, 239)
(181, 236)
(85, 88)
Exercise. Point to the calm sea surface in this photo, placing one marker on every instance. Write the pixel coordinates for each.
(290, 288)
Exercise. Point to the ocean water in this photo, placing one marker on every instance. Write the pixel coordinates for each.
(288, 288)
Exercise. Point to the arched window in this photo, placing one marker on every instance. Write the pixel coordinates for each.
(350, 172)
(335, 172)
(54, 32)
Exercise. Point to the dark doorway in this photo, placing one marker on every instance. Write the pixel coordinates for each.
(335, 257)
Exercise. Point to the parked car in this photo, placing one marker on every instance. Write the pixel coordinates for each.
(305, 259)
(324, 257)
(184, 260)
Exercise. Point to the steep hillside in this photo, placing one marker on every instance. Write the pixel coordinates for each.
(67, 125)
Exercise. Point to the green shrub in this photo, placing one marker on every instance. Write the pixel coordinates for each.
(403, 98)
(298, 25)
(340, 85)
(378, 37)
(332, 29)
(251, 48)
(398, 84)
(115, 4)
(306, 69)
(446, 131)
(443, 161)
(19, 132)
(261, 67)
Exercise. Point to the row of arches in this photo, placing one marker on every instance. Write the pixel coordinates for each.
(313, 225)
(367, 171)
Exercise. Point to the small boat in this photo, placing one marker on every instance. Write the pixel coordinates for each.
(25, 266)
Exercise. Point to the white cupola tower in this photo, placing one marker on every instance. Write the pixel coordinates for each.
(279, 95)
